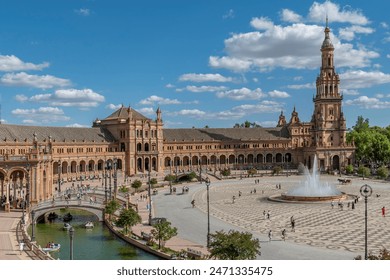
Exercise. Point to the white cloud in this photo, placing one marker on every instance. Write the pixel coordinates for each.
(9, 63)
(278, 94)
(388, 56)
(290, 16)
(384, 25)
(147, 111)
(262, 107)
(296, 46)
(70, 97)
(229, 14)
(40, 115)
(368, 103)
(77, 125)
(21, 98)
(241, 94)
(83, 12)
(318, 12)
(201, 88)
(231, 63)
(201, 78)
(193, 113)
(262, 23)
(114, 107)
(26, 80)
(303, 86)
(348, 33)
(362, 79)
(154, 99)
(267, 123)
(350, 92)
(169, 86)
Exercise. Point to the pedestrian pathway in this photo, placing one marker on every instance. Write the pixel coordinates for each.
(316, 224)
(9, 245)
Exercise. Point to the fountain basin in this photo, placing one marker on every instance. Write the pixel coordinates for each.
(288, 197)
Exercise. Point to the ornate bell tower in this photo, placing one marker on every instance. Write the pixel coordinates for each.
(329, 123)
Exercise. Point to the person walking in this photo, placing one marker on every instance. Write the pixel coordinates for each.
(284, 234)
(233, 198)
(265, 215)
(193, 203)
(270, 235)
(293, 225)
(383, 211)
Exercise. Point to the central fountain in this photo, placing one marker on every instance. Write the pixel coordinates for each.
(312, 189)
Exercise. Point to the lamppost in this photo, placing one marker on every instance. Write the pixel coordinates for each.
(105, 181)
(28, 186)
(109, 179)
(32, 225)
(208, 211)
(150, 198)
(59, 176)
(287, 161)
(200, 168)
(115, 177)
(365, 191)
(71, 234)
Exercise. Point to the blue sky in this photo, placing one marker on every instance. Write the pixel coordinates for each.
(215, 63)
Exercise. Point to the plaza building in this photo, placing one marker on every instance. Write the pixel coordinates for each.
(35, 160)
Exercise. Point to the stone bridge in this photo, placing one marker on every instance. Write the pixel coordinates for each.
(45, 207)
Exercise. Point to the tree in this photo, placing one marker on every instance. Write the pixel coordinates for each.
(252, 172)
(277, 170)
(136, 185)
(169, 178)
(384, 254)
(383, 172)
(111, 207)
(123, 189)
(233, 245)
(349, 169)
(191, 175)
(163, 231)
(364, 171)
(226, 172)
(128, 218)
(153, 182)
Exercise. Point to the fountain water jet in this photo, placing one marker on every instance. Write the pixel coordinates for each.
(312, 189)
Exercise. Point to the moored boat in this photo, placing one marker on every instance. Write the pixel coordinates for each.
(89, 224)
(67, 226)
(52, 247)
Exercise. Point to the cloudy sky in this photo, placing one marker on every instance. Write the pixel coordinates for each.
(215, 63)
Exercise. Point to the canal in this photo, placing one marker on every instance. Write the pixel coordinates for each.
(97, 243)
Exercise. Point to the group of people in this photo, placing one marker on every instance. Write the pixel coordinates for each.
(283, 234)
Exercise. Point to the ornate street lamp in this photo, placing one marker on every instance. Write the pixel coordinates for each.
(115, 177)
(32, 225)
(71, 234)
(208, 211)
(365, 191)
(59, 176)
(28, 186)
(150, 198)
(105, 181)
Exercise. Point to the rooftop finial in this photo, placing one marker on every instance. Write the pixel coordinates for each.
(326, 20)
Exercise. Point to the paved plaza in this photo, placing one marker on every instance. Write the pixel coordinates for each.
(320, 231)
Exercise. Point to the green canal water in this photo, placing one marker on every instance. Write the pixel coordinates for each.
(97, 243)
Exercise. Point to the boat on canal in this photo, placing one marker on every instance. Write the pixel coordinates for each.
(52, 247)
(89, 224)
(67, 226)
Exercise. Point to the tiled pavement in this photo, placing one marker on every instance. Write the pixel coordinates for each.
(317, 224)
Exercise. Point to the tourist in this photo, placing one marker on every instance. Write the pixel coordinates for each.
(21, 247)
(193, 203)
(268, 214)
(353, 205)
(383, 211)
(270, 235)
(233, 198)
(293, 225)
(332, 204)
(284, 234)
(265, 214)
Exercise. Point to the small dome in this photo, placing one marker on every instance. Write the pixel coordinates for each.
(327, 42)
